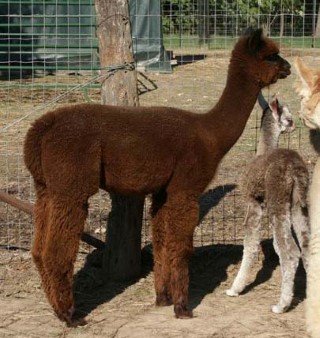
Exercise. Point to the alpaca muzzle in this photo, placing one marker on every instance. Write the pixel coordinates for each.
(308, 122)
(285, 69)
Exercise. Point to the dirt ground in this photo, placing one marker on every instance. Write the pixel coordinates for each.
(127, 310)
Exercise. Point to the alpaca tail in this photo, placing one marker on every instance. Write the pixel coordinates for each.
(32, 146)
(300, 185)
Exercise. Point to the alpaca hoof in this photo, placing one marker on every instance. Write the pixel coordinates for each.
(278, 309)
(76, 322)
(232, 293)
(163, 300)
(182, 312)
(72, 318)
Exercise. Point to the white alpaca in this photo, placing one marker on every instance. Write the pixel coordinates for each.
(276, 179)
(309, 90)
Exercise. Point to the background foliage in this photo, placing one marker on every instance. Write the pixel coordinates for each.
(228, 17)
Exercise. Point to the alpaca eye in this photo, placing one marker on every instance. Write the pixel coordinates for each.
(272, 57)
(289, 123)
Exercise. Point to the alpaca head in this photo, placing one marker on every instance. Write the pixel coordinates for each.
(260, 57)
(309, 90)
(282, 116)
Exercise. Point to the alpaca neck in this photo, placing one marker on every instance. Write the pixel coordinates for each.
(227, 120)
(269, 134)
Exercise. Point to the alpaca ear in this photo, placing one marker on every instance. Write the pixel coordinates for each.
(306, 75)
(275, 108)
(255, 40)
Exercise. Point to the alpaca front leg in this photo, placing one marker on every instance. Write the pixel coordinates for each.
(65, 226)
(250, 247)
(289, 255)
(161, 271)
(179, 252)
(178, 248)
(162, 284)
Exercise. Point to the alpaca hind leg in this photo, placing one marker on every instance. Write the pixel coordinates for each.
(289, 255)
(40, 222)
(65, 226)
(183, 213)
(161, 275)
(301, 226)
(250, 247)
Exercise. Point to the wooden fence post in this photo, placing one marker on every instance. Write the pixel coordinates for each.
(122, 255)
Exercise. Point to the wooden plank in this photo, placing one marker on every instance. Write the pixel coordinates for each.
(21, 205)
(28, 208)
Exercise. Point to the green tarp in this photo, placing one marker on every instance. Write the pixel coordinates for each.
(50, 35)
(146, 24)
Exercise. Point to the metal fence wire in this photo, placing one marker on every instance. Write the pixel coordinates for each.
(49, 57)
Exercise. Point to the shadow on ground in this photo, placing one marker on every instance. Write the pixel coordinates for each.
(186, 59)
(90, 286)
(212, 197)
(269, 264)
(208, 268)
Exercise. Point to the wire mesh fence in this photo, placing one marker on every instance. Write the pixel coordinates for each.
(49, 58)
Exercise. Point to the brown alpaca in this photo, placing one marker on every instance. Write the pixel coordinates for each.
(170, 153)
(276, 179)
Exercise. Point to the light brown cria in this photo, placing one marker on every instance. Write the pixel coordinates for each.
(276, 181)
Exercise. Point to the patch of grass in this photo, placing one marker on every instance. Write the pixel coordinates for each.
(187, 41)
(298, 42)
(174, 41)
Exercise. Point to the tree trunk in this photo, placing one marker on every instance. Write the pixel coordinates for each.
(115, 48)
(122, 255)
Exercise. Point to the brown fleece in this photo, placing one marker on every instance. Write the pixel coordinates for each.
(170, 153)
